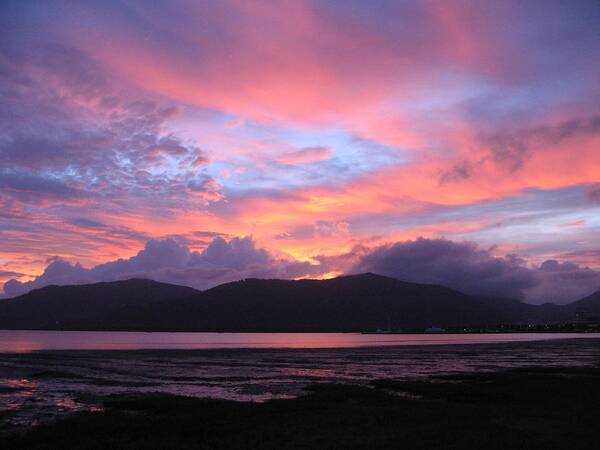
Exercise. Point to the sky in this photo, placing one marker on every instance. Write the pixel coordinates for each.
(200, 142)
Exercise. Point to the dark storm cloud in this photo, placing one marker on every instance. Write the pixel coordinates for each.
(462, 266)
(466, 267)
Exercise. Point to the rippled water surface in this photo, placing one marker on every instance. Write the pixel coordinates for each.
(38, 385)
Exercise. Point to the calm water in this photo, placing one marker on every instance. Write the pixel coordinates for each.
(38, 381)
(27, 341)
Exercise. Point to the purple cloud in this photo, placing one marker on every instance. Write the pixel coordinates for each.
(9, 273)
(27, 186)
(562, 282)
(462, 266)
(305, 156)
(594, 195)
(75, 130)
(511, 148)
(468, 268)
(57, 272)
(168, 261)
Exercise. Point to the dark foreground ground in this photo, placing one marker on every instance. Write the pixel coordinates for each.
(550, 408)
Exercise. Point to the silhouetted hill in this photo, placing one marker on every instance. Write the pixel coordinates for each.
(347, 303)
(591, 304)
(358, 302)
(79, 306)
(519, 312)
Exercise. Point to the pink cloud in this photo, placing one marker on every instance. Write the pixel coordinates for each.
(484, 101)
(575, 223)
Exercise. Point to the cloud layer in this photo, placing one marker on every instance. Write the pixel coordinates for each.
(170, 262)
(460, 265)
(363, 123)
(468, 268)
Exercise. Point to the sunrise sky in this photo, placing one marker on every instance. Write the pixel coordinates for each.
(207, 141)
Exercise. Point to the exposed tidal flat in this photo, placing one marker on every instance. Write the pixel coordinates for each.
(542, 394)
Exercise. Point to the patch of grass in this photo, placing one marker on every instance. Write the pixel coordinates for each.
(524, 409)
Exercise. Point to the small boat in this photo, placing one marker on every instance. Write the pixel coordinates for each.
(434, 330)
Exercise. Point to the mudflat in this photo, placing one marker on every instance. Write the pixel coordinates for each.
(527, 408)
(518, 395)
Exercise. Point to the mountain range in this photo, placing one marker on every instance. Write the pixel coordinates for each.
(347, 303)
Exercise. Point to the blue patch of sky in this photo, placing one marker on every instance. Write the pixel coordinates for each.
(250, 152)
